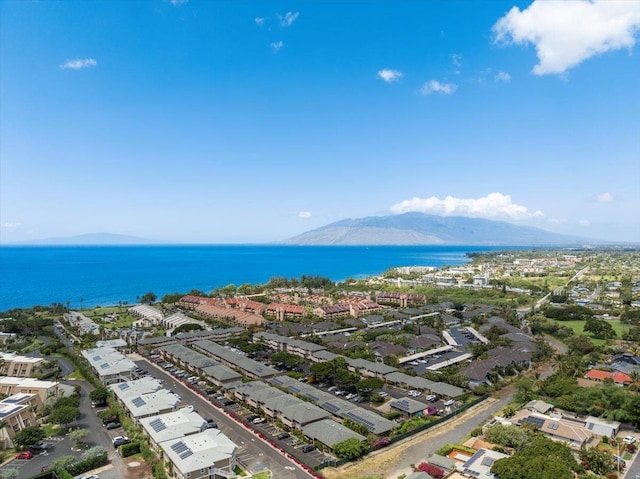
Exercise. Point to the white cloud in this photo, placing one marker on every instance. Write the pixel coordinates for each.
(558, 221)
(604, 197)
(178, 2)
(259, 21)
(304, 214)
(79, 64)
(389, 75)
(565, 33)
(502, 76)
(288, 18)
(10, 226)
(435, 86)
(492, 206)
(456, 59)
(584, 223)
(276, 46)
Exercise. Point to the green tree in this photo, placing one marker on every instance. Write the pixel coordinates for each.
(148, 298)
(78, 435)
(351, 448)
(93, 452)
(64, 415)
(99, 395)
(62, 462)
(597, 460)
(600, 329)
(12, 473)
(28, 436)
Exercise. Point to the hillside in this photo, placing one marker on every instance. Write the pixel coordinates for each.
(423, 229)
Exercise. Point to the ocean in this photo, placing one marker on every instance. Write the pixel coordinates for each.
(88, 276)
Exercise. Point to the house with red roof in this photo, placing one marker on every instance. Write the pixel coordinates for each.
(617, 377)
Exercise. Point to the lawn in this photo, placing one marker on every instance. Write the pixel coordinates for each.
(262, 475)
(578, 328)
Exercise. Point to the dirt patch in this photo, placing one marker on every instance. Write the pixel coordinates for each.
(136, 468)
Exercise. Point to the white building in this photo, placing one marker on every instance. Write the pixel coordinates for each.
(206, 455)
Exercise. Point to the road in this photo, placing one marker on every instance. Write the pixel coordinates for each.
(253, 452)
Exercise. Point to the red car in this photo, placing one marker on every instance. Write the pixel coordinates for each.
(24, 455)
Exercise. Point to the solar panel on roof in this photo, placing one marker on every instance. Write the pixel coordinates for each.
(487, 461)
(536, 421)
(179, 447)
(123, 386)
(186, 454)
(330, 407)
(138, 402)
(553, 425)
(157, 425)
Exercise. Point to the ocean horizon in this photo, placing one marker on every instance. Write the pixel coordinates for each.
(90, 276)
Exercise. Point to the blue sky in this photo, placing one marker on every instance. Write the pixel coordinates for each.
(203, 121)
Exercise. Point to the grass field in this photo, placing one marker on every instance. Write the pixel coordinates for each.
(578, 328)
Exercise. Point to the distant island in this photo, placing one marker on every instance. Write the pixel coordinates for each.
(91, 239)
(422, 229)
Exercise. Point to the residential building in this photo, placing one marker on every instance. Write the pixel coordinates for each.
(44, 389)
(19, 366)
(479, 465)
(110, 365)
(330, 432)
(173, 425)
(17, 413)
(205, 455)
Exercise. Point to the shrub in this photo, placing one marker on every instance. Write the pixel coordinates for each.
(433, 471)
(130, 449)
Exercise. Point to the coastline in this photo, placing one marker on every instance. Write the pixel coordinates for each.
(106, 275)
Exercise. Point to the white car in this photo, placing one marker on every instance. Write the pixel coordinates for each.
(629, 440)
(414, 393)
(450, 402)
(383, 394)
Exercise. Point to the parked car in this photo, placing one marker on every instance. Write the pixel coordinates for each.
(332, 388)
(210, 391)
(227, 402)
(431, 397)
(88, 476)
(251, 417)
(120, 440)
(308, 448)
(211, 424)
(113, 425)
(43, 446)
(629, 440)
(383, 394)
(258, 420)
(283, 435)
(24, 455)
(449, 402)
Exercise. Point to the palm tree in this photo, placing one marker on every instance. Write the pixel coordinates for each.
(3, 433)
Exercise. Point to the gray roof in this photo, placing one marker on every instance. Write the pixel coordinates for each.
(416, 382)
(408, 405)
(156, 340)
(187, 355)
(249, 366)
(442, 462)
(330, 432)
(221, 373)
(378, 368)
(336, 406)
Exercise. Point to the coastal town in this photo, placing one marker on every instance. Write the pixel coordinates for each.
(486, 369)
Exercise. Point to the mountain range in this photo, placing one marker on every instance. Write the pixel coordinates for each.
(91, 239)
(423, 229)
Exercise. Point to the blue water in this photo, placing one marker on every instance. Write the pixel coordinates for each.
(104, 275)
